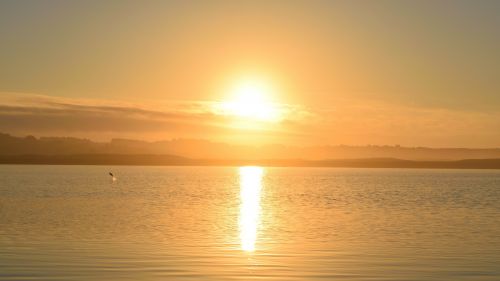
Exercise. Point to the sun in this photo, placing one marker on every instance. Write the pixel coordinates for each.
(251, 99)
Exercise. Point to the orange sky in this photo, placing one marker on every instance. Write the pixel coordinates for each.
(350, 72)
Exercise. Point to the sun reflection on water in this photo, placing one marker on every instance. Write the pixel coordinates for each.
(250, 187)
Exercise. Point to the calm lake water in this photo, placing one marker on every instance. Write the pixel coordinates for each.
(249, 223)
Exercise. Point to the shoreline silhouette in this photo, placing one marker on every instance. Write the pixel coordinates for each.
(172, 160)
(206, 149)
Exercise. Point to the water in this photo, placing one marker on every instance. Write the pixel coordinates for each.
(207, 223)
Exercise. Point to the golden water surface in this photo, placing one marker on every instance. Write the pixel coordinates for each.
(245, 223)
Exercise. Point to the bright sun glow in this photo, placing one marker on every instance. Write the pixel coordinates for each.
(251, 100)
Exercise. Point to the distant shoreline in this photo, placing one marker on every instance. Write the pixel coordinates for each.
(171, 160)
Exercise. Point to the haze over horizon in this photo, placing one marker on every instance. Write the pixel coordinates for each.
(253, 73)
(47, 150)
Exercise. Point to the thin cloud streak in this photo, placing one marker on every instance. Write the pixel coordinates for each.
(351, 122)
(44, 115)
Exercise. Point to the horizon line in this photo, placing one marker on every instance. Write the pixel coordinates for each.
(41, 138)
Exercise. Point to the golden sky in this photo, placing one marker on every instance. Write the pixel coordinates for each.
(420, 73)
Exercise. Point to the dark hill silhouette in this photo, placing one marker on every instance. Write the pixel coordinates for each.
(62, 150)
(171, 160)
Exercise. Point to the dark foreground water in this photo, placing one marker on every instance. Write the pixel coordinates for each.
(199, 223)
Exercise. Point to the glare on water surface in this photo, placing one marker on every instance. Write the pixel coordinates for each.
(248, 223)
(250, 187)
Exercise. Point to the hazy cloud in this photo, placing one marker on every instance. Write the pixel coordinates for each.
(96, 119)
(347, 121)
